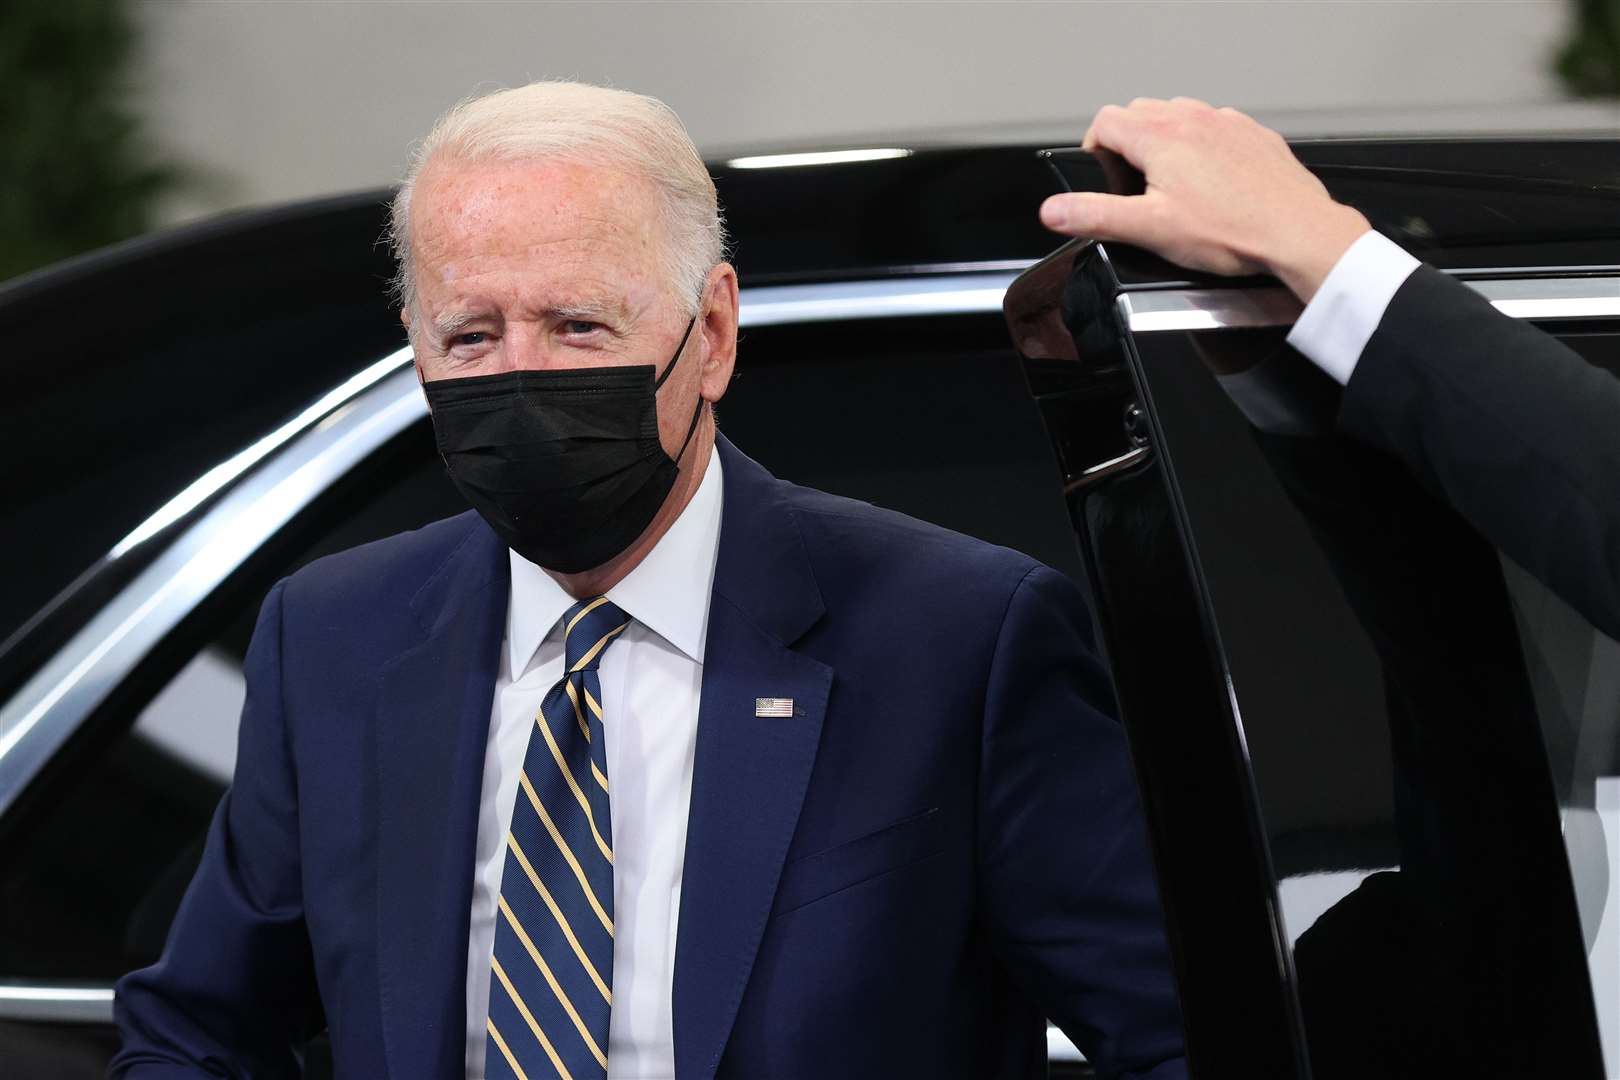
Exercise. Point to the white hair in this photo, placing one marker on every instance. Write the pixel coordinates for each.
(583, 125)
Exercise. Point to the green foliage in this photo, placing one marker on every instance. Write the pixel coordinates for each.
(1589, 62)
(75, 171)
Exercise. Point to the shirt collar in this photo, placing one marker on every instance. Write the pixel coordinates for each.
(667, 592)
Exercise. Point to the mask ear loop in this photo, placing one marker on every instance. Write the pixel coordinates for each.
(696, 412)
(679, 349)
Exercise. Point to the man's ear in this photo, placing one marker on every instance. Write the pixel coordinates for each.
(718, 320)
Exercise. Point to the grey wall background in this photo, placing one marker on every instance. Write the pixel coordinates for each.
(281, 99)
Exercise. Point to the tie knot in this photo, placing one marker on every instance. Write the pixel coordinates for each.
(588, 629)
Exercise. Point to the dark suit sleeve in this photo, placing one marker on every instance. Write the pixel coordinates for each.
(1512, 428)
(1067, 881)
(233, 994)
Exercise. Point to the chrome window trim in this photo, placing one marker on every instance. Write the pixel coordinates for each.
(954, 294)
(270, 482)
(1154, 311)
(56, 1004)
(1208, 309)
(50, 706)
(220, 476)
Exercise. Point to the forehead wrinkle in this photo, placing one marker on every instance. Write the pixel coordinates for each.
(463, 258)
(480, 203)
(537, 238)
(527, 253)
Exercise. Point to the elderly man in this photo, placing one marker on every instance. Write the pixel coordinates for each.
(655, 765)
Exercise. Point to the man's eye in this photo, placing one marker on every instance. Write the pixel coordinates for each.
(475, 337)
(580, 327)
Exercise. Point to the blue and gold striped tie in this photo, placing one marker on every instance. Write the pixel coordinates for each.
(551, 988)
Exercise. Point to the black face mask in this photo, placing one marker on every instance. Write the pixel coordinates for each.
(564, 464)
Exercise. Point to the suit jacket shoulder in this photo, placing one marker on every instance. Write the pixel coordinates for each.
(380, 584)
(1510, 426)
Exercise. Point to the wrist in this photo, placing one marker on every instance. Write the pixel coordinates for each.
(1312, 248)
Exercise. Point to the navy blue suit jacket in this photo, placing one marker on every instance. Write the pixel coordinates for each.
(940, 848)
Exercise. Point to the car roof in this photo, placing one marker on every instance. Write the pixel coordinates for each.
(828, 212)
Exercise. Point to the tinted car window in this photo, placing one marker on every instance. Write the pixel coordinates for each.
(1432, 738)
(182, 347)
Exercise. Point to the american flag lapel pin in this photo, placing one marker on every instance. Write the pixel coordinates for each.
(773, 706)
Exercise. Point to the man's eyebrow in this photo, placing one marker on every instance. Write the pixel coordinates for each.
(589, 310)
(449, 325)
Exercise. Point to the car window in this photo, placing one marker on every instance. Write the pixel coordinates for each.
(1434, 741)
(201, 341)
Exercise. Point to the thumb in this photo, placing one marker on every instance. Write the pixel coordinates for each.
(1096, 216)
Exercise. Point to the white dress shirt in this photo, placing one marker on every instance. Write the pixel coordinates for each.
(1340, 319)
(651, 680)
(1278, 395)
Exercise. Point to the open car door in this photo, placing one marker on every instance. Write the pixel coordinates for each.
(1381, 763)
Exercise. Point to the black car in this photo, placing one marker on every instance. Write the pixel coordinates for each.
(1381, 764)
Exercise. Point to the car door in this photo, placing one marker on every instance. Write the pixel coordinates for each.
(1382, 762)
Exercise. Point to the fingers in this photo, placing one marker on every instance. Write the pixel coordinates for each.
(1206, 172)
(1120, 130)
(1127, 218)
(1131, 130)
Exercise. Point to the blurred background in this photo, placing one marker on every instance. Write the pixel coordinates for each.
(125, 115)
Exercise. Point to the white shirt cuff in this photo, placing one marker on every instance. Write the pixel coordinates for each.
(1335, 325)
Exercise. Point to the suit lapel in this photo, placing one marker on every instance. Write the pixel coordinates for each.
(750, 773)
(433, 708)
